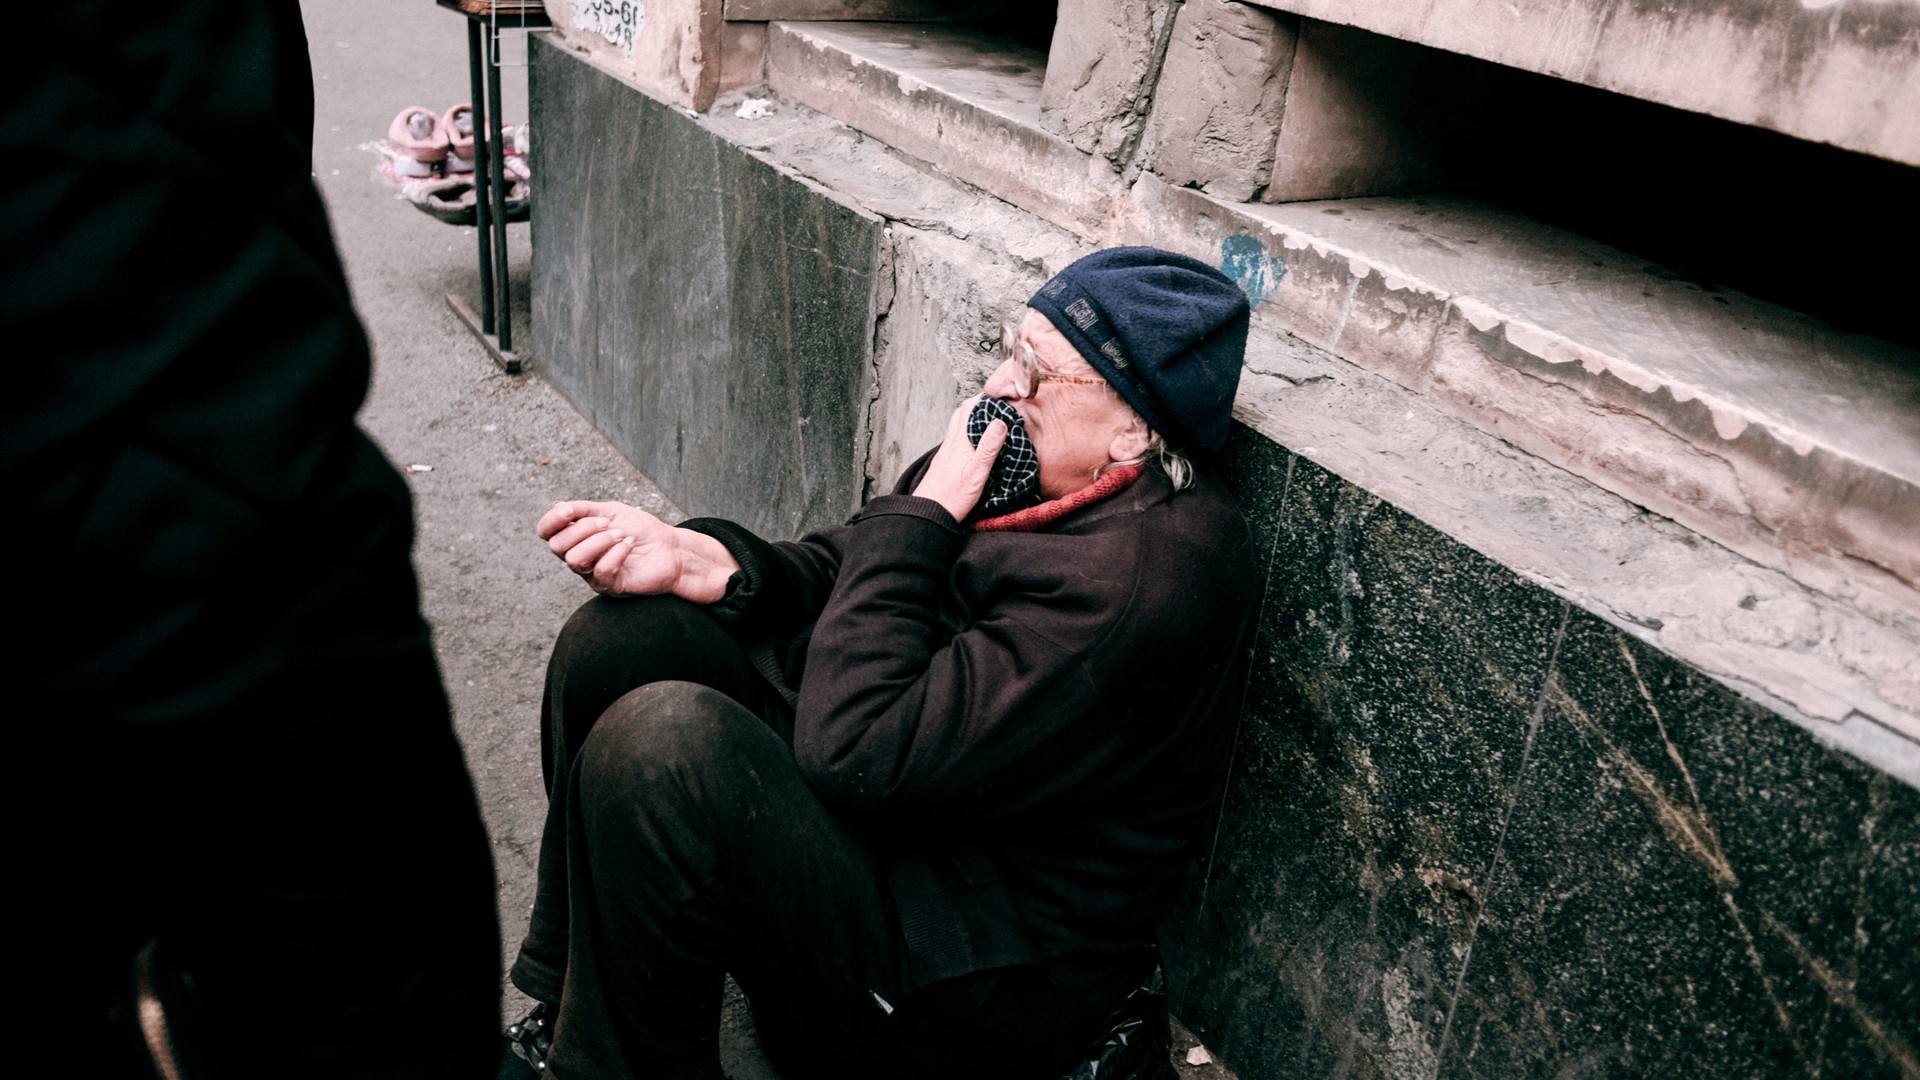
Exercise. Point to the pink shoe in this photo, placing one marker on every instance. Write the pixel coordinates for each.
(417, 134)
(456, 126)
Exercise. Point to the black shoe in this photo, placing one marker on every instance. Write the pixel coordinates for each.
(527, 1043)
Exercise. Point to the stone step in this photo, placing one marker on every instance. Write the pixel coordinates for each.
(1772, 433)
(967, 102)
(1842, 74)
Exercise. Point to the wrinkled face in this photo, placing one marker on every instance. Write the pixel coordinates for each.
(1076, 427)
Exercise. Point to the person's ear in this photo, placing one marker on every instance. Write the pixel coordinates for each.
(1131, 441)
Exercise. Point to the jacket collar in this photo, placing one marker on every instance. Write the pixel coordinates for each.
(1116, 492)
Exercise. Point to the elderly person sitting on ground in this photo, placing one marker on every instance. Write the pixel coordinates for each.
(927, 781)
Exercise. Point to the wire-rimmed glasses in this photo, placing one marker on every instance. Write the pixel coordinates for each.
(1028, 373)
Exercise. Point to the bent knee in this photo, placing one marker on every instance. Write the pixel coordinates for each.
(607, 625)
(669, 727)
(612, 645)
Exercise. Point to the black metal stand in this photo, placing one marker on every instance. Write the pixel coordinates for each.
(490, 184)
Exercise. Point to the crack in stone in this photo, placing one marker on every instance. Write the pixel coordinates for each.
(1691, 830)
(1673, 754)
(1897, 1049)
(1759, 964)
(887, 268)
(1548, 686)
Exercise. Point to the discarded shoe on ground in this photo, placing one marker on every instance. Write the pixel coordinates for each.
(456, 126)
(451, 200)
(418, 141)
(443, 187)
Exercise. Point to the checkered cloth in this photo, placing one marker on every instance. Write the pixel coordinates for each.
(1015, 482)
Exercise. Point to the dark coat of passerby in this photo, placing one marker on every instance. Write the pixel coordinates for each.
(255, 850)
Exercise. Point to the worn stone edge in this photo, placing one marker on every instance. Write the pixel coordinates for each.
(1621, 71)
(1360, 306)
(1035, 169)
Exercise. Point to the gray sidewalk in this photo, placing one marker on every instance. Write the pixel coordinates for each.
(439, 401)
(501, 448)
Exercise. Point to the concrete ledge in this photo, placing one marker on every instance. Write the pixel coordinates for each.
(1834, 73)
(1840, 673)
(963, 101)
(1789, 442)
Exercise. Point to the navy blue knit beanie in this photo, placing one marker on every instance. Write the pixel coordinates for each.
(1169, 333)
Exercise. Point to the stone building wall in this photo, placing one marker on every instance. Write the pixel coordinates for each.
(1582, 736)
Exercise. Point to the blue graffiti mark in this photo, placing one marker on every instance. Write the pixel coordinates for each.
(1244, 259)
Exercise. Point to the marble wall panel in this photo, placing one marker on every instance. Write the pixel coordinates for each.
(1386, 720)
(1474, 831)
(1689, 883)
(711, 313)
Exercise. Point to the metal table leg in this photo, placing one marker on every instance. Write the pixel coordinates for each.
(497, 161)
(490, 196)
(476, 59)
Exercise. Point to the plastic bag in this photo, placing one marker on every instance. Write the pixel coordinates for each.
(1138, 1037)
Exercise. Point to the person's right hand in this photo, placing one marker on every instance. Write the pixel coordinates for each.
(626, 551)
(958, 474)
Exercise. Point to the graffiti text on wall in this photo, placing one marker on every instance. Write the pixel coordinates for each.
(618, 21)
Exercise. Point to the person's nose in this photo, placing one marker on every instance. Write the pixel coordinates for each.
(1004, 383)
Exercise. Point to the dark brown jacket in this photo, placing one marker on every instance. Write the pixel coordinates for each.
(1032, 725)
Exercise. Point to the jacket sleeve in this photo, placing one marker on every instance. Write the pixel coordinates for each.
(782, 585)
(896, 718)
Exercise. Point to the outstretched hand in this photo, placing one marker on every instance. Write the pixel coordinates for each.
(958, 473)
(626, 551)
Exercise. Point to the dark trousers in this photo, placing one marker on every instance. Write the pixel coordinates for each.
(681, 843)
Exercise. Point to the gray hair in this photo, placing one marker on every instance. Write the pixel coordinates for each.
(1178, 470)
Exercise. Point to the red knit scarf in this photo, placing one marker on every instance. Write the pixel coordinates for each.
(1033, 518)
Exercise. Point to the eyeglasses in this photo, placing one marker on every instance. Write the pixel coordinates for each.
(1027, 372)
